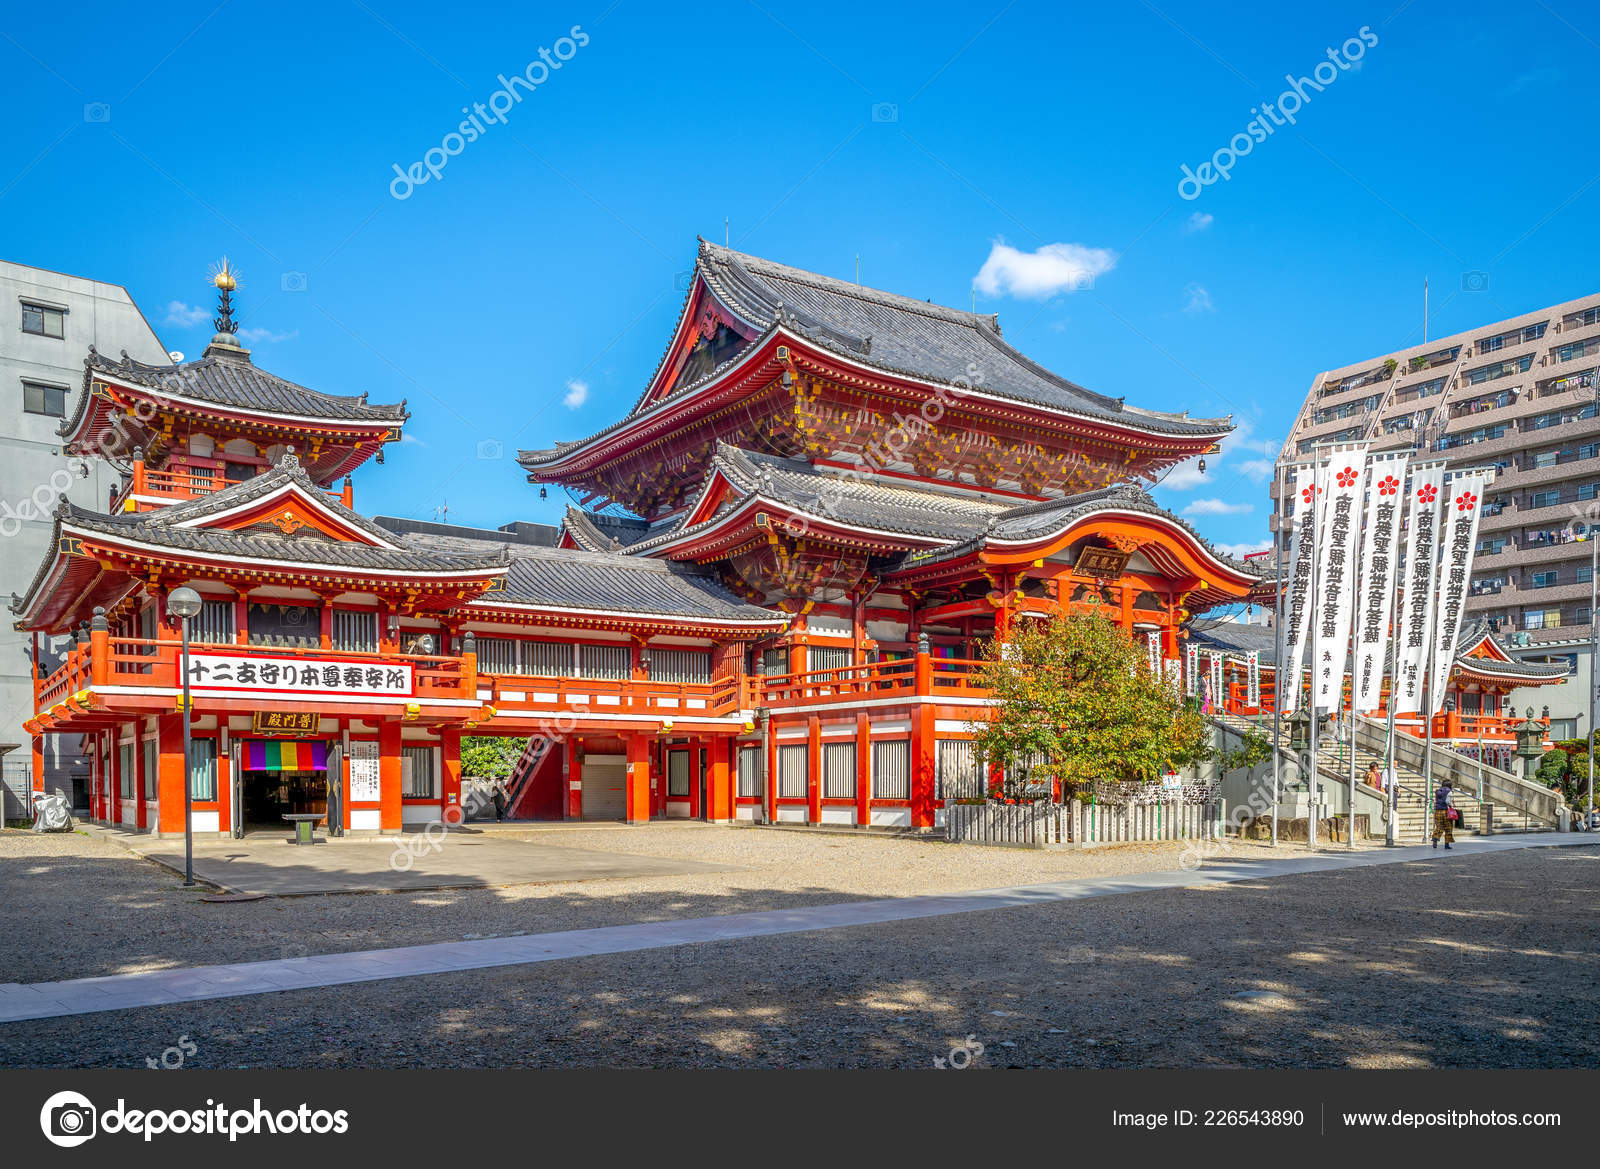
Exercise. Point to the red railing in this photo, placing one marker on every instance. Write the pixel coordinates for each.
(139, 662)
(511, 694)
(920, 677)
(179, 483)
(1450, 724)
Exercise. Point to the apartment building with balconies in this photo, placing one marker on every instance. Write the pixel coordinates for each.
(1518, 395)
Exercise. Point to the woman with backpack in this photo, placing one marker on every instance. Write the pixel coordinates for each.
(1444, 814)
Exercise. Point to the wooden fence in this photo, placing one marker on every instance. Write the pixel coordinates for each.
(1044, 825)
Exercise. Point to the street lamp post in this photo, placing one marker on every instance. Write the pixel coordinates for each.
(184, 604)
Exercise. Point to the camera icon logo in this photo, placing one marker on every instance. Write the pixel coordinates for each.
(68, 1119)
(885, 111)
(97, 111)
(682, 280)
(292, 282)
(491, 448)
(1474, 282)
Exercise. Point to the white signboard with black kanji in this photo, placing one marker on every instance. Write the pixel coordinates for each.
(323, 677)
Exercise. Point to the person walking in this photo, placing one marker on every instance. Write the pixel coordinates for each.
(1375, 776)
(1444, 814)
(499, 797)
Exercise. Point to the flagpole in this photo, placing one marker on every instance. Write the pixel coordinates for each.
(1434, 571)
(1278, 656)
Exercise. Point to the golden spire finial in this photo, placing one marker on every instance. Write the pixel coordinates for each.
(224, 275)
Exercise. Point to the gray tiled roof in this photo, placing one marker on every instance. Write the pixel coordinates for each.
(1233, 637)
(902, 335)
(233, 380)
(563, 578)
(1034, 520)
(1477, 631)
(898, 335)
(602, 533)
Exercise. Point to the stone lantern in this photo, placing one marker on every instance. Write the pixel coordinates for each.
(1530, 744)
(1299, 731)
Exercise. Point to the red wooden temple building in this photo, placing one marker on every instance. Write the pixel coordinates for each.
(767, 604)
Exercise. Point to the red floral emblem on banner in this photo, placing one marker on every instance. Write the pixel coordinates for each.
(1347, 477)
(1389, 485)
(1427, 493)
(1307, 493)
(1465, 500)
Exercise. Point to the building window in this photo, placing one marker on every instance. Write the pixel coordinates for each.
(355, 631)
(1563, 728)
(150, 764)
(960, 775)
(285, 625)
(824, 657)
(1488, 373)
(1546, 580)
(38, 398)
(1584, 574)
(792, 766)
(605, 661)
(203, 770)
(678, 774)
(1577, 349)
(43, 321)
(680, 665)
(125, 777)
(213, 625)
(1544, 499)
(416, 774)
(750, 772)
(891, 769)
(839, 771)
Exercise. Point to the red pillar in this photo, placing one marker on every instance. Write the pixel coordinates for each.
(863, 769)
(923, 762)
(38, 762)
(719, 781)
(814, 770)
(696, 746)
(389, 818)
(170, 776)
(638, 782)
(572, 774)
(450, 767)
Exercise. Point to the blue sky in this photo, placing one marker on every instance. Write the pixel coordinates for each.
(526, 294)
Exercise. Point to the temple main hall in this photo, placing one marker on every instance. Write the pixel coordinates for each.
(766, 602)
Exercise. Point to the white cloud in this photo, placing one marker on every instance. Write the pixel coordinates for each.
(258, 336)
(577, 394)
(1239, 551)
(1199, 221)
(1199, 299)
(1257, 470)
(1217, 507)
(1037, 275)
(184, 316)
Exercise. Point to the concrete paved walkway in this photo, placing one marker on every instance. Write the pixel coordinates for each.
(167, 987)
(266, 864)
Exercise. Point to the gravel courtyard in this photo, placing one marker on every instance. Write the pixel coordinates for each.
(82, 905)
(1459, 961)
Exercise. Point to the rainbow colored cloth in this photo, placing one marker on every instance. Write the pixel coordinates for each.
(284, 755)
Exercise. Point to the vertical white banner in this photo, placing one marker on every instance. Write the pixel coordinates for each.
(1175, 676)
(1253, 680)
(1216, 682)
(1337, 530)
(1191, 669)
(1152, 641)
(1415, 627)
(1458, 533)
(1386, 493)
(1302, 501)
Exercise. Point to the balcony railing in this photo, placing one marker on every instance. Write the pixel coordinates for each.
(514, 694)
(180, 483)
(139, 662)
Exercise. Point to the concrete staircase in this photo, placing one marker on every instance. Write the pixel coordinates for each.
(1414, 813)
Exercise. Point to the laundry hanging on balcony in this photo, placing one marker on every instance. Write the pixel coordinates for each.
(284, 755)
